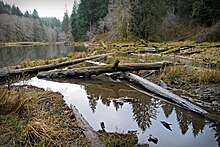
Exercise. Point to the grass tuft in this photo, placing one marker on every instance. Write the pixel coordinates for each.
(118, 139)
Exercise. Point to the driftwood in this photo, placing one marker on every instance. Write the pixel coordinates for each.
(156, 89)
(34, 70)
(184, 59)
(88, 131)
(87, 72)
(165, 93)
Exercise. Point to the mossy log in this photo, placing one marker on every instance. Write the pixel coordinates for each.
(4, 74)
(87, 72)
(177, 49)
(166, 94)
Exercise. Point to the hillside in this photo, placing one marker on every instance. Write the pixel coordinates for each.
(20, 28)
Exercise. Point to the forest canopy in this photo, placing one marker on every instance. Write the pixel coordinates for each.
(147, 19)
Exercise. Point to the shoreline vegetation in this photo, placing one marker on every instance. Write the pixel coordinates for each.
(28, 113)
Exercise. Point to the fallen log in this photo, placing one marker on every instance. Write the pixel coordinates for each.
(164, 93)
(185, 60)
(5, 74)
(87, 72)
(156, 89)
(90, 134)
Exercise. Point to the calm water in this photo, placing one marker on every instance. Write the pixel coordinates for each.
(13, 55)
(95, 99)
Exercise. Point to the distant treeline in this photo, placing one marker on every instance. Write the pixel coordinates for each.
(14, 10)
(147, 19)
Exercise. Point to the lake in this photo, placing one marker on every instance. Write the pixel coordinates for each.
(97, 101)
(15, 54)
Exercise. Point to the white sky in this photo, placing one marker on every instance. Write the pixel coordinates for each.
(45, 8)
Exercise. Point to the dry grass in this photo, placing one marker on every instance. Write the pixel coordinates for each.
(77, 55)
(13, 101)
(29, 63)
(25, 43)
(189, 75)
(34, 117)
(211, 54)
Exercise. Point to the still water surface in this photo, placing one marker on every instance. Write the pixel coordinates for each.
(96, 100)
(13, 55)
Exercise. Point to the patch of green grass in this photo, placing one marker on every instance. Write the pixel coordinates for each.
(117, 139)
(11, 126)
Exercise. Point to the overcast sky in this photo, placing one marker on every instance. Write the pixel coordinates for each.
(45, 8)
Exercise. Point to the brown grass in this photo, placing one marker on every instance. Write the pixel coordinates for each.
(77, 55)
(190, 75)
(211, 54)
(29, 63)
(34, 117)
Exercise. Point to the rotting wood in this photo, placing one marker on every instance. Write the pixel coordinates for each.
(34, 70)
(165, 93)
(90, 134)
(87, 72)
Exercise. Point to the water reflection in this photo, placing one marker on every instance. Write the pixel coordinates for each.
(97, 101)
(13, 55)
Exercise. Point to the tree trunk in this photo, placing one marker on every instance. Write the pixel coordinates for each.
(34, 70)
(87, 72)
(165, 93)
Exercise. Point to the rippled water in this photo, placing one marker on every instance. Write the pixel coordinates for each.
(97, 100)
(13, 55)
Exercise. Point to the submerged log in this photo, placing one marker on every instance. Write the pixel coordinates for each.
(87, 72)
(166, 94)
(34, 70)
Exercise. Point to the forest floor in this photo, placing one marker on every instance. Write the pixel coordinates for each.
(27, 114)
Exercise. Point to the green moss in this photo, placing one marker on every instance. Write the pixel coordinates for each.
(171, 50)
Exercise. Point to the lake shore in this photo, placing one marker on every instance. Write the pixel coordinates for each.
(194, 75)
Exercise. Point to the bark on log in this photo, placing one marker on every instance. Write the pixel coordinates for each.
(165, 93)
(97, 70)
(34, 70)
(91, 136)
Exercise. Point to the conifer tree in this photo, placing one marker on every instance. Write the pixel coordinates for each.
(74, 22)
(66, 22)
(35, 14)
